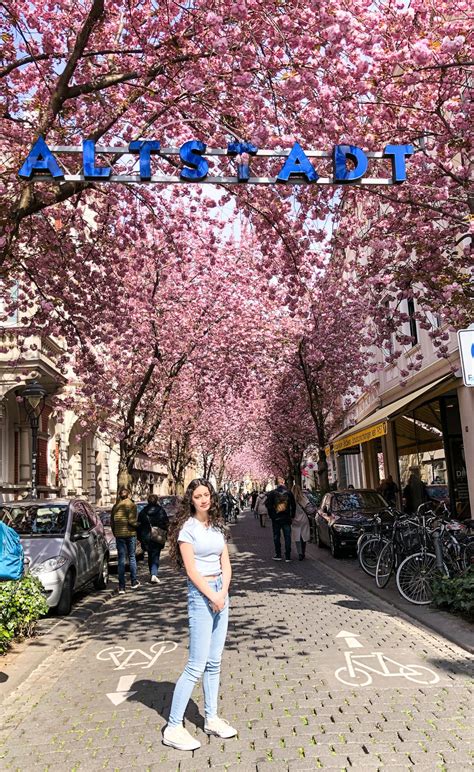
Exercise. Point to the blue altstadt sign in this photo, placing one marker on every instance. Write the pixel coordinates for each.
(42, 163)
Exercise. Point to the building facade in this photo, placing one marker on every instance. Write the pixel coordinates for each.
(422, 424)
(69, 462)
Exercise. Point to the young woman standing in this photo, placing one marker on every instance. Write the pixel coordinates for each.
(197, 541)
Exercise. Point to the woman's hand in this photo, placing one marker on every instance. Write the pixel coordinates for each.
(218, 601)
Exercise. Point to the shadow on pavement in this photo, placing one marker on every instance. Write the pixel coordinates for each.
(157, 695)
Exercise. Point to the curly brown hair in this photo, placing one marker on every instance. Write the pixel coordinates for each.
(186, 511)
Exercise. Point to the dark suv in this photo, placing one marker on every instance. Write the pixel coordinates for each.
(344, 515)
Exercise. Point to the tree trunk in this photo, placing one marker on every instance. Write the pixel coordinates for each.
(323, 471)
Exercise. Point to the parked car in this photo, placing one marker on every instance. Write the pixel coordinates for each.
(344, 515)
(105, 516)
(65, 544)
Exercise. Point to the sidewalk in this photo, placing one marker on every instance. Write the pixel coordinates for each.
(450, 626)
(317, 673)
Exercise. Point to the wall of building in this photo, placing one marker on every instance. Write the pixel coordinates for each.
(388, 384)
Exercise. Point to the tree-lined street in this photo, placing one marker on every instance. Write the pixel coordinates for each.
(101, 700)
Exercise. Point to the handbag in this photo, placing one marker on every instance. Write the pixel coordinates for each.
(157, 534)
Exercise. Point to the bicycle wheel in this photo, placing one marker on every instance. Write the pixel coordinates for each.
(362, 539)
(369, 554)
(361, 677)
(415, 577)
(420, 674)
(385, 565)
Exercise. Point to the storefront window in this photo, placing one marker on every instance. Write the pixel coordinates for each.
(430, 449)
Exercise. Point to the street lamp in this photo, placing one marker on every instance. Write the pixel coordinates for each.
(34, 398)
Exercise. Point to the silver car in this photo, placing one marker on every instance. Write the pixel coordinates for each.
(64, 543)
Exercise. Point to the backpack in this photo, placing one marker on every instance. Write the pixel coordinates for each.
(281, 503)
(11, 554)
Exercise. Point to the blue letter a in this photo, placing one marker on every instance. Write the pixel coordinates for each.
(297, 163)
(40, 159)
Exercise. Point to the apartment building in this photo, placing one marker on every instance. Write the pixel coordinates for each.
(69, 462)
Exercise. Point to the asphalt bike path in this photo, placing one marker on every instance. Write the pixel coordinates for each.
(317, 674)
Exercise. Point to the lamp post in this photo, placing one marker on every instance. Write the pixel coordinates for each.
(34, 398)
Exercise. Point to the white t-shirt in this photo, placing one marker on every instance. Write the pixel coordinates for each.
(208, 545)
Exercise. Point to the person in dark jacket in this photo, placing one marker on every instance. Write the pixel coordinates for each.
(124, 528)
(253, 500)
(281, 508)
(152, 515)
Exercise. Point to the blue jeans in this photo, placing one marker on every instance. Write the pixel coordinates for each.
(126, 546)
(286, 528)
(154, 551)
(207, 634)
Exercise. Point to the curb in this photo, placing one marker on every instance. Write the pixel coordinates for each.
(23, 658)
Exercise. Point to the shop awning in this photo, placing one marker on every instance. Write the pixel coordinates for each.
(375, 425)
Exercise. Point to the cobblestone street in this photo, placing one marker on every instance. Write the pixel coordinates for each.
(303, 679)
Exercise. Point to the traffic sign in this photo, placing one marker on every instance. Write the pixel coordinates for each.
(466, 353)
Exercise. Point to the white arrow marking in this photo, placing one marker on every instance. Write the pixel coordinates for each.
(351, 639)
(118, 697)
(122, 693)
(125, 682)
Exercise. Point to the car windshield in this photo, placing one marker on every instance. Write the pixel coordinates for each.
(37, 519)
(358, 500)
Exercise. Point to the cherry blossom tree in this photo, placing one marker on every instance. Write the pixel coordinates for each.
(115, 271)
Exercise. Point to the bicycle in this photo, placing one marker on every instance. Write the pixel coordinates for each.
(371, 543)
(404, 535)
(416, 572)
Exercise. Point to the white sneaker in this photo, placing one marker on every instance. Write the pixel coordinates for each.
(220, 727)
(154, 580)
(178, 737)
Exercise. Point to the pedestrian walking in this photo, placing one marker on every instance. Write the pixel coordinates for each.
(253, 500)
(261, 508)
(198, 541)
(224, 504)
(300, 530)
(281, 509)
(390, 491)
(124, 527)
(153, 523)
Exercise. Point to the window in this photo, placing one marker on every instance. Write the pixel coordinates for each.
(412, 321)
(388, 349)
(80, 521)
(12, 319)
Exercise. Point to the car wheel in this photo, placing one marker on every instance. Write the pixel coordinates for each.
(335, 551)
(101, 581)
(65, 601)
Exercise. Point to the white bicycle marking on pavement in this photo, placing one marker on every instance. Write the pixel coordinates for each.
(357, 670)
(123, 658)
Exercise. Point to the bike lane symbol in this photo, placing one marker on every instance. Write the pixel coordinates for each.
(137, 658)
(123, 658)
(359, 668)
